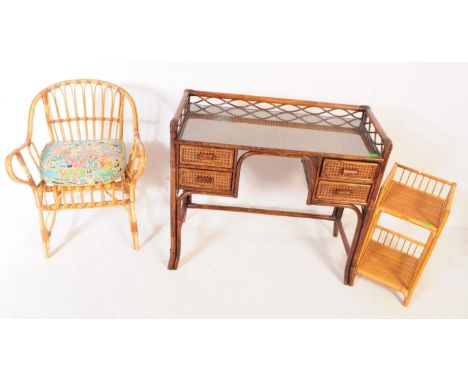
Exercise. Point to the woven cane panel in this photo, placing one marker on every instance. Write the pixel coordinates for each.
(207, 180)
(202, 156)
(348, 169)
(343, 192)
(257, 133)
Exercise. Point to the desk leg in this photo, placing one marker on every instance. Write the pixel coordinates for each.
(186, 202)
(175, 239)
(350, 249)
(178, 213)
(350, 270)
(175, 228)
(337, 214)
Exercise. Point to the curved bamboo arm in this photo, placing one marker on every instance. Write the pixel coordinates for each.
(136, 162)
(16, 153)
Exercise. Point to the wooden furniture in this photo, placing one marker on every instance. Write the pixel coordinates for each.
(343, 149)
(80, 111)
(392, 258)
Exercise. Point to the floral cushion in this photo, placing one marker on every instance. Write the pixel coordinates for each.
(84, 162)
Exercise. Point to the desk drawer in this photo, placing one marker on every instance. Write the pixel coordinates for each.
(206, 180)
(206, 156)
(343, 192)
(343, 169)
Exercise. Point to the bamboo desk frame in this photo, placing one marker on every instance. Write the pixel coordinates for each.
(212, 134)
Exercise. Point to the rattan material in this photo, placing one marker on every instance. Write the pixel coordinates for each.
(56, 198)
(393, 258)
(309, 171)
(203, 156)
(249, 123)
(345, 192)
(387, 260)
(258, 133)
(275, 112)
(418, 207)
(252, 126)
(81, 109)
(201, 179)
(349, 169)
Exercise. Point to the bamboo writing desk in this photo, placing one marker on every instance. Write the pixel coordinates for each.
(343, 149)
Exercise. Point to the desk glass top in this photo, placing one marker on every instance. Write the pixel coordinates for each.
(296, 131)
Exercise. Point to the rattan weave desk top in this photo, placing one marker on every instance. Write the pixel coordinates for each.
(296, 131)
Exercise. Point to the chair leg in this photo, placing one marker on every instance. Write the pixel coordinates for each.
(133, 220)
(45, 231)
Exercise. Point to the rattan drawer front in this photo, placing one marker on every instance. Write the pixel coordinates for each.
(343, 192)
(206, 156)
(348, 169)
(207, 180)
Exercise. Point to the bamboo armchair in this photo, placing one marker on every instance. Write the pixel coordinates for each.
(80, 110)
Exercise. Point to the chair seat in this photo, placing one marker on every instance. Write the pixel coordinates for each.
(83, 162)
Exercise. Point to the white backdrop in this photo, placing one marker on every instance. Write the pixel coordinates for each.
(422, 107)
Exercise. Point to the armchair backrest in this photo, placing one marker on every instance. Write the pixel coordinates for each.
(85, 109)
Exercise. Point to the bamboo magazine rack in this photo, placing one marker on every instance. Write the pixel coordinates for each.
(393, 258)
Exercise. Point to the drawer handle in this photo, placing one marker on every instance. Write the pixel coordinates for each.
(205, 156)
(347, 171)
(343, 192)
(204, 179)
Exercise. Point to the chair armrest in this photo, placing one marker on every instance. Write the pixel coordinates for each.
(17, 154)
(136, 161)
